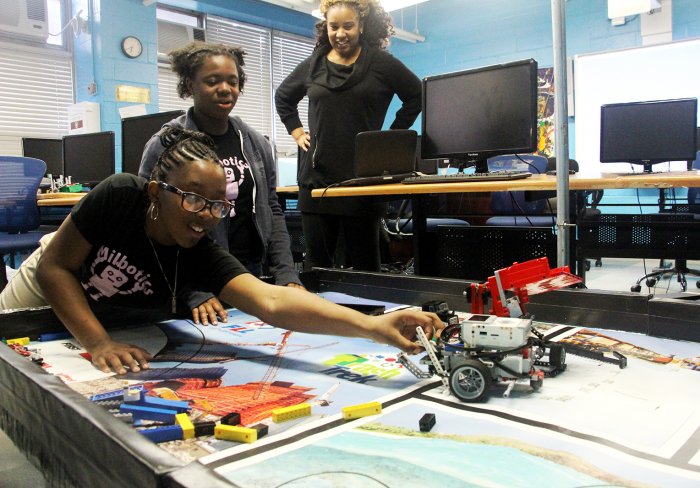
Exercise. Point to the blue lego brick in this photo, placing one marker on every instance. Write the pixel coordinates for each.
(139, 412)
(113, 394)
(54, 336)
(156, 402)
(164, 434)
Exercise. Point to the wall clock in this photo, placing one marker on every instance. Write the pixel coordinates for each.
(132, 47)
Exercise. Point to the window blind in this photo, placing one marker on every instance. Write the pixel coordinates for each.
(36, 89)
(288, 50)
(254, 105)
(168, 99)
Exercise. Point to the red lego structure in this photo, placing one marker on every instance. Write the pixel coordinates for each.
(520, 280)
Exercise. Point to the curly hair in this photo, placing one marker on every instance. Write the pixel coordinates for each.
(187, 60)
(377, 22)
(182, 147)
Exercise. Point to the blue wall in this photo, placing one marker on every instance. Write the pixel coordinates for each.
(459, 34)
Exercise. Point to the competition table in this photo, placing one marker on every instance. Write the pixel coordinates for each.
(577, 182)
(80, 444)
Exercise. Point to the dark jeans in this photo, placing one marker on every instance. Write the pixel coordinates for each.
(341, 241)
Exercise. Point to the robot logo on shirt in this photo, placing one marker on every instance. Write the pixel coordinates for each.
(235, 170)
(112, 274)
(108, 282)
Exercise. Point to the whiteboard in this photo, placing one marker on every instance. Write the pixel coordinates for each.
(656, 72)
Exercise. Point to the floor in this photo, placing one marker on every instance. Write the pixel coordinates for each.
(614, 274)
(618, 274)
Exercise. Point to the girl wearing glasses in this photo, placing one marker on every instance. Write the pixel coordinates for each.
(134, 243)
(254, 229)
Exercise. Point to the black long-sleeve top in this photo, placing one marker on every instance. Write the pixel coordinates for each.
(343, 100)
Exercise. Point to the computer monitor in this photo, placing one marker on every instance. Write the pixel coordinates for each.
(49, 151)
(88, 158)
(425, 166)
(136, 131)
(697, 139)
(648, 133)
(471, 115)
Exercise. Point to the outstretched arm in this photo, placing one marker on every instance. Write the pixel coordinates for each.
(299, 310)
(56, 274)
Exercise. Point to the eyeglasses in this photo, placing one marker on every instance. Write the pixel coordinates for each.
(196, 203)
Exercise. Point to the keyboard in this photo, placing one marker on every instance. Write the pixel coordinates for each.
(467, 177)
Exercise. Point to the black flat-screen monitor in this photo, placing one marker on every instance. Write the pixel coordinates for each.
(88, 158)
(425, 166)
(136, 131)
(648, 133)
(472, 115)
(49, 151)
(697, 139)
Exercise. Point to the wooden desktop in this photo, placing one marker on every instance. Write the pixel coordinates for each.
(58, 199)
(588, 181)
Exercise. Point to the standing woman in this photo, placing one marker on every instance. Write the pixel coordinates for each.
(254, 231)
(350, 80)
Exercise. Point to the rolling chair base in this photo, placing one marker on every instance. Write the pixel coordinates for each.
(652, 278)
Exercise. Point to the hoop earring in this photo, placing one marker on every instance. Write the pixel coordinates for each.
(154, 211)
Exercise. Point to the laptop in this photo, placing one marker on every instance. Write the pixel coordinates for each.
(383, 157)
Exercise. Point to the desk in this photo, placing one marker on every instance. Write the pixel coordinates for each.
(597, 181)
(58, 199)
(638, 424)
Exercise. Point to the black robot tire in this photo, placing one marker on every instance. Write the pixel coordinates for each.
(471, 381)
(557, 355)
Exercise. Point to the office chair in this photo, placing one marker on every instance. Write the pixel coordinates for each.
(519, 208)
(19, 213)
(397, 231)
(680, 267)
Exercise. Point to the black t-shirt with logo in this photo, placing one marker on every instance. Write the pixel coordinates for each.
(122, 267)
(243, 239)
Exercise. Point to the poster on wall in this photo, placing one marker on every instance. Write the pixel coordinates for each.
(545, 112)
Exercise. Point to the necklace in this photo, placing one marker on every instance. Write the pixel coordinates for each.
(173, 289)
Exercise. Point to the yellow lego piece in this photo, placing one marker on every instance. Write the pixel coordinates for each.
(289, 413)
(183, 420)
(235, 433)
(361, 410)
(22, 341)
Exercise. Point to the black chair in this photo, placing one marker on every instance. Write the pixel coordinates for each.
(519, 208)
(19, 213)
(397, 231)
(680, 267)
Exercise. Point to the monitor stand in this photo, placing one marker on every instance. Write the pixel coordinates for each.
(480, 166)
(647, 169)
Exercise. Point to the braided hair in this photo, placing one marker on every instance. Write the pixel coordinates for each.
(182, 147)
(376, 21)
(187, 60)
